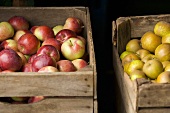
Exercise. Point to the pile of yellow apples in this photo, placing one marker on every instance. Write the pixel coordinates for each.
(149, 56)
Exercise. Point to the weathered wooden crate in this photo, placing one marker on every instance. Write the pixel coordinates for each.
(141, 95)
(67, 92)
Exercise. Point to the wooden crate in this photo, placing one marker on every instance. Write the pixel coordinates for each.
(141, 95)
(67, 92)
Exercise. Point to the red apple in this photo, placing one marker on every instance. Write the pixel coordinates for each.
(31, 58)
(35, 99)
(41, 61)
(10, 60)
(6, 71)
(50, 51)
(10, 44)
(65, 66)
(43, 32)
(24, 59)
(82, 39)
(19, 22)
(79, 63)
(48, 69)
(28, 44)
(65, 34)
(27, 67)
(73, 48)
(53, 42)
(74, 24)
(6, 31)
(33, 28)
(19, 33)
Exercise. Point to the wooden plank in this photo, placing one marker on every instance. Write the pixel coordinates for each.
(154, 110)
(47, 84)
(51, 105)
(121, 82)
(154, 95)
(95, 106)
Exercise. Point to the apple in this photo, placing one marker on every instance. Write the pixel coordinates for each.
(167, 67)
(162, 28)
(6, 31)
(133, 45)
(10, 60)
(74, 24)
(165, 63)
(135, 65)
(150, 41)
(73, 48)
(57, 28)
(19, 22)
(153, 68)
(28, 44)
(50, 51)
(31, 58)
(124, 53)
(166, 38)
(65, 66)
(33, 28)
(163, 77)
(148, 57)
(43, 32)
(27, 67)
(129, 58)
(136, 74)
(24, 59)
(19, 99)
(48, 69)
(53, 42)
(142, 53)
(162, 52)
(6, 71)
(65, 34)
(19, 33)
(9, 43)
(79, 63)
(42, 60)
(35, 99)
(82, 39)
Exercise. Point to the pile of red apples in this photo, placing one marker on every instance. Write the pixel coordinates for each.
(40, 48)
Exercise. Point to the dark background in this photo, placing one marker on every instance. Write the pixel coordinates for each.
(103, 12)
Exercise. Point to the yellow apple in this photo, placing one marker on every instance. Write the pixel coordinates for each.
(163, 77)
(165, 63)
(133, 45)
(150, 41)
(167, 67)
(162, 52)
(124, 53)
(135, 65)
(153, 68)
(162, 28)
(142, 52)
(136, 74)
(148, 57)
(166, 38)
(129, 58)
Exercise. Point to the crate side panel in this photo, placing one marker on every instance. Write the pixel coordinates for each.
(154, 95)
(47, 84)
(51, 105)
(154, 110)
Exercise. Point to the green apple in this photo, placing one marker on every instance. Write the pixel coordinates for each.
(57, 28)
(142, 52)
(135, 65)
(133, 45)
(73, 48)
(6, 31)
(152, 68)
(163, 77)
(162, 52)
(136, 74)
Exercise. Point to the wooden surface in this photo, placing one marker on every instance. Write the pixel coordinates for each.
(141, 95)
(52, 105)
